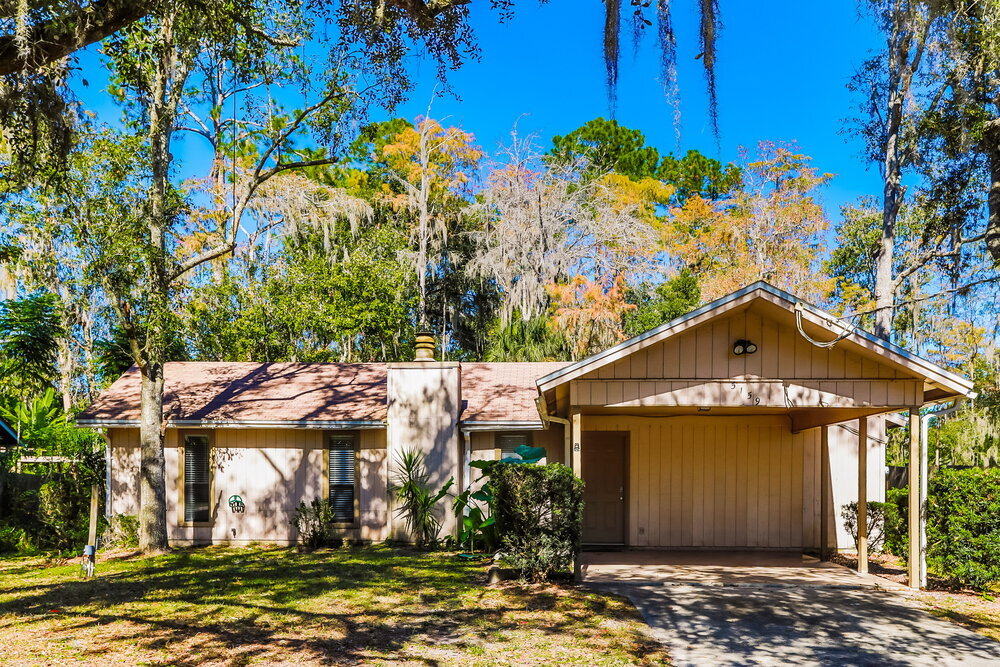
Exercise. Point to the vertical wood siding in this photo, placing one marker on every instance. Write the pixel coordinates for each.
(124, 453)
(719, 482)
(705, 352)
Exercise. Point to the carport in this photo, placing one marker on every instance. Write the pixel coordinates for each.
(743, 426)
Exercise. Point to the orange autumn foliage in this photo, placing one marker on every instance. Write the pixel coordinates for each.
(771, 229)
(588, 313)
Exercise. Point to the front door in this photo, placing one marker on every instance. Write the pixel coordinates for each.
(603, 460)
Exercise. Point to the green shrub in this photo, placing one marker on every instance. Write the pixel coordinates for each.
(896, 511)
(539, 516)
(14, 539)
(963, 526)
(122, 532)
(875, 525)
(314, 523)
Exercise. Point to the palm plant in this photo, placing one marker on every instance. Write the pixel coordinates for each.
(29, 334)
(417, 501)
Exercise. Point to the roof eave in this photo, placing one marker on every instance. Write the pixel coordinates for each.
(953, 382)
(332, 424)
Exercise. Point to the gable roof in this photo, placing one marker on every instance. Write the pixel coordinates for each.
(950, 383)
(309, 394)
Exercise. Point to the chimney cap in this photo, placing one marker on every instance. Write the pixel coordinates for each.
(424, 346)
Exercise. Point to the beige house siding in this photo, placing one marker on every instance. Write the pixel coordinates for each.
(705, 352)
(697, 367)
(124, 455)
(272, 470)
(485, 445)
(424, 401)
(731, 482)
(843, 442)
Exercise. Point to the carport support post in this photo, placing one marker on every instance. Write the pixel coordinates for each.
(863, 495)
(824, 493)
(576, 461)
(913, 493)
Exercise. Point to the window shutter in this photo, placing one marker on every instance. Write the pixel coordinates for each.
(197, 479)
(510, 442)
(342, 465)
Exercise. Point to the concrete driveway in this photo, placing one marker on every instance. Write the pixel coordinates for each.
(734, 609)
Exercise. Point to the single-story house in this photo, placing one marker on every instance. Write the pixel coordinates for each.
(736, 426)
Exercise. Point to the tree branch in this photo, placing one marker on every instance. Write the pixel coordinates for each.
(68, 32)
(62, 35)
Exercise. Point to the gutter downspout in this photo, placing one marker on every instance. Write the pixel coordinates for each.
(567, 433)
(924, 424)
(466, 460)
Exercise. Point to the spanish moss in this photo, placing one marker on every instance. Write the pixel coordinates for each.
(612, 34)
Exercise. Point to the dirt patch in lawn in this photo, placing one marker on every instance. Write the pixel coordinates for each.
(970, 609)
(270, 605)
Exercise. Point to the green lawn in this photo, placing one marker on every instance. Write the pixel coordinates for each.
(269, 605)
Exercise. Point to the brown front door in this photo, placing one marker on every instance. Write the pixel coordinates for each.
(603, 467)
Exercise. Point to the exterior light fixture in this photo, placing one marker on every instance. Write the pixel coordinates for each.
(743, 346)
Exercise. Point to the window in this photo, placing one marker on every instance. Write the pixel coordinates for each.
(197, 479)
(343, 459)
(508, 442)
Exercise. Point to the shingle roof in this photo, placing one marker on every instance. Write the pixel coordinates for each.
(503, 391)
(279, 392)
(313, 392)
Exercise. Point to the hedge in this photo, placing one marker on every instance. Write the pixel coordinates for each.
(539, 516)
(963, 526)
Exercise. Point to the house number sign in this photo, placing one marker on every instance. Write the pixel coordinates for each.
(236, 504)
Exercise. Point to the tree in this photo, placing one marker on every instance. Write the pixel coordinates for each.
(431, 165)
(602, 146)
(886, 83)
(29, 334)
(526, 340)
(770, 229)
(589, 313)
(542, 226)
(659, 304)
(143, 264)
(38, 42)
(343, 299)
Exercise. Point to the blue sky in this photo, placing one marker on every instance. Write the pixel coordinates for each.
(783, 68)
(782, 73)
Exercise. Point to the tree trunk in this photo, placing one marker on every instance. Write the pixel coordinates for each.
(152, 477)
(908, 33)
(992, 145)
(168, 80)
(65, 356)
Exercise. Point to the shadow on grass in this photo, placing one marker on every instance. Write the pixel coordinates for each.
(328, 606)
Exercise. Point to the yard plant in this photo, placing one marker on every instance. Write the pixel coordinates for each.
(963, 526)
(539, 516)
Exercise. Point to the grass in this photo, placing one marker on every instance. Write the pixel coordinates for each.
(980, 613)
(270, 605)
